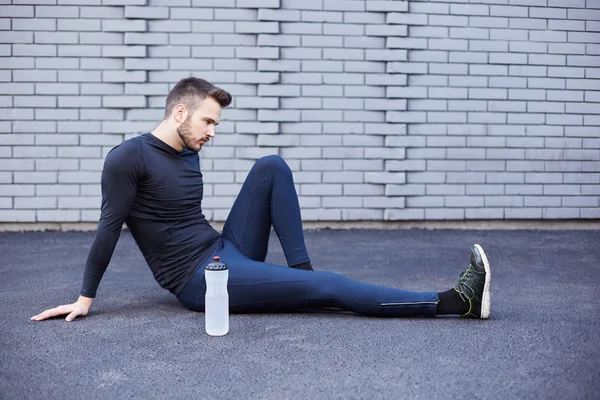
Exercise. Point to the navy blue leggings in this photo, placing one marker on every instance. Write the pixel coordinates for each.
(268, 196)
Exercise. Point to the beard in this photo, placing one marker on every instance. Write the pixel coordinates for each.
(186, 136)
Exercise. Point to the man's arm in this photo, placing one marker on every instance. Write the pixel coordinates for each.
(119, 183)
(120, 177)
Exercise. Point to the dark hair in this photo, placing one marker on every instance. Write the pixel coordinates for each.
(191, 91)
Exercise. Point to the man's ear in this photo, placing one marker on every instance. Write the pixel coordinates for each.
(180, 113)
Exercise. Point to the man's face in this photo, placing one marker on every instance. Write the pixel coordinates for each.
(199, 128)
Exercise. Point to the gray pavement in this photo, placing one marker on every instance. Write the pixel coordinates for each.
(138, 342)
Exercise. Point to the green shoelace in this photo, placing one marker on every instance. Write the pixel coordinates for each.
(466, 279)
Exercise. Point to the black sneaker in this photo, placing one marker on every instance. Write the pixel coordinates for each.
(474, 285)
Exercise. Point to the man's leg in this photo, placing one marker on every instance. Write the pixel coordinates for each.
(256, 287)
(268, 196)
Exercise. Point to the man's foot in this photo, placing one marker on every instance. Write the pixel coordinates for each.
(474, 285)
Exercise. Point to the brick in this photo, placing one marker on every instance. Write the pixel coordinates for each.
(509, 58)
(546, 107)
(34, 177)
(489, 22)
(175, 51)
(428, 56)
(387, 5)
(526, 94)
(265, 14)
(508, 11)
(350, 5)
(187, 13)
(33, 127)
(129, 25)
(299, 53)
(566, 72)
(100, 37)
(362, 214)
(424, 201)
(363, 190)
(332, 29)
(585, 61)
(343, 54)
(146, 12)
(146, 64)
(17, 189)
(386, 202)
(386, 30)
(322, 189)
(245, 27)
(124, 101)
(27, 75)
(404, 214)
(429, 8)
(257, 102)
(486, 45)
(325, 41)
(16, 165)
(564, 143)
(124, 76)
(385, 104)
(321, 16)
(469, 9)
(146, 38)
(506, 201)
(79, 101)
(102, 88)
(448, 44)
(213, 26)
(17, 11)
(321, 165)
(357, 42)
(32, 24)
(124, 2)
(563, 189)
(467, 33)
(77, 24)
(342, 177)
(413, 43)
(386, 55)
(278, 40)
(565, 25)
(34, 101)
(208, 3)
(42, 50)
(301, 152)
(364, 17)
(17, 215)
(79, 51)
(406, 19)
(584, 37)
(258, 52)
(584, 13)
(58, 114)
(320, 215)
(102, 63)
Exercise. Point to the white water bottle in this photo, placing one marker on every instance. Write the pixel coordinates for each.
(216, 300)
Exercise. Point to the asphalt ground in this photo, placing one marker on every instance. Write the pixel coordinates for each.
(541, 342)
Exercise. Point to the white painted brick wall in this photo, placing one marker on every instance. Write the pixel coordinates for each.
(384, 110)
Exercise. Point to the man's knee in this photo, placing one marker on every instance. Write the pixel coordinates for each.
(273, 163)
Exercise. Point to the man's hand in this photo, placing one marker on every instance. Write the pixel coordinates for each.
(78, 309)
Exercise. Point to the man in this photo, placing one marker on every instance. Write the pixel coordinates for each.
(153, 183)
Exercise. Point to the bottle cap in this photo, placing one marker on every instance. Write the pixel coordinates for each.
(216, 265)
